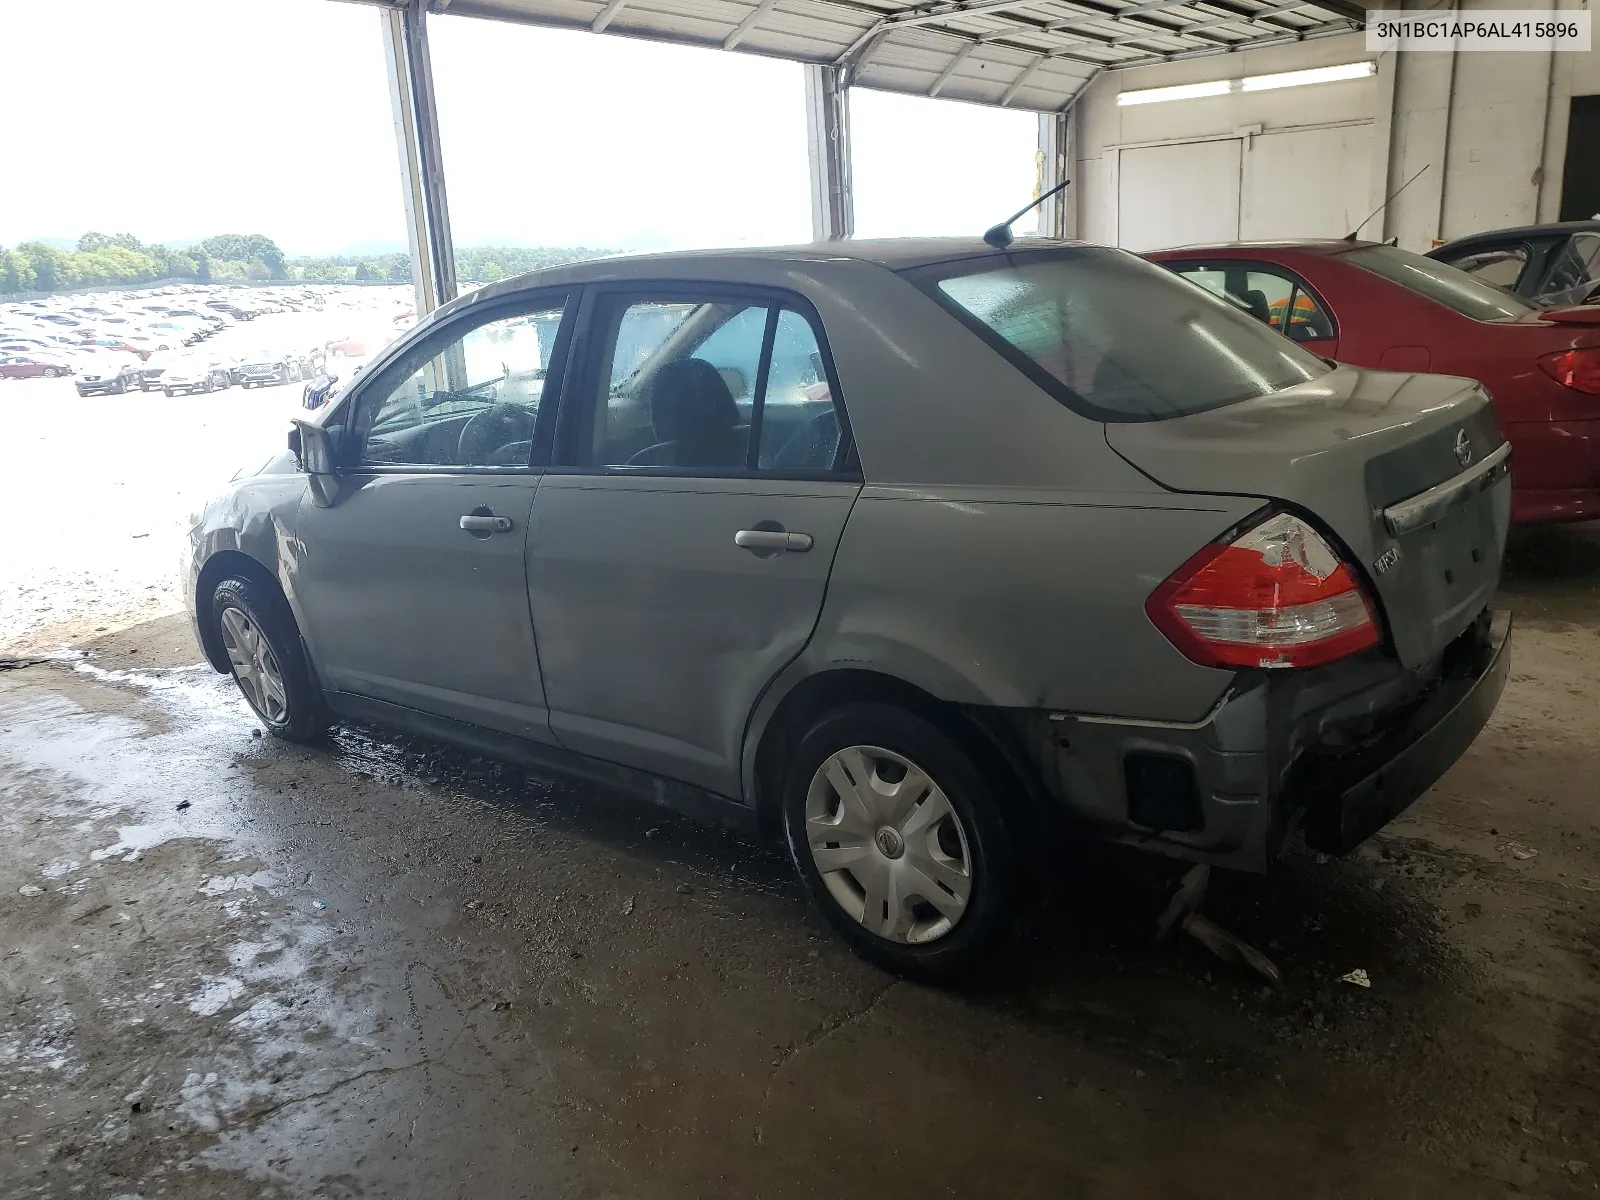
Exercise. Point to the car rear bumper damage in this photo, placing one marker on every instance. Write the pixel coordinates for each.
(1336, 752)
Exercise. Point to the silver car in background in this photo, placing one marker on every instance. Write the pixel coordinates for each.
(920, 556)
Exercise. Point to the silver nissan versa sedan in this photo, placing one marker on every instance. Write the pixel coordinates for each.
(919, 555)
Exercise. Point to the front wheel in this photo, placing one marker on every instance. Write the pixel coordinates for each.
(53, 372)
(901, 841)
(267, 659)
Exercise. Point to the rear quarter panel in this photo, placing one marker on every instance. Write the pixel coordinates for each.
(1020, 598)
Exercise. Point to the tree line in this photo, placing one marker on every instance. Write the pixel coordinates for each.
(123, 260)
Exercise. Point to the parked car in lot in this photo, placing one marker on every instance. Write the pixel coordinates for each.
(117, 344)
(27, 366)
(1380, 307)
(148, 376)
(236, 311)
(107, 377)
(348, 347)
(186, 377)
(267, 367)
(918, 556)
(1550, 265)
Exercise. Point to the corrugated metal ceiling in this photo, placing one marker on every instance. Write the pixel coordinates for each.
(1024, 54)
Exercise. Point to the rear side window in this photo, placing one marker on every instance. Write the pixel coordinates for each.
(711, 387)
(1115, 337)
(1439, 282)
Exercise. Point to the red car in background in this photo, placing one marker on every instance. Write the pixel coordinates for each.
(1371, 305)
(25, 366)
(116, 343)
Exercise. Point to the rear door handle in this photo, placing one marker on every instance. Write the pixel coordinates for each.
(478, 523)
(772, 539)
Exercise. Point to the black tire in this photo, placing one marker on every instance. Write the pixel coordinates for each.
(53, 372)
(988, 846)
(305, 715)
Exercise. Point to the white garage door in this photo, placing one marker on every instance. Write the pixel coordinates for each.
(1298, 183)
(1306, 183)
(1176, 195)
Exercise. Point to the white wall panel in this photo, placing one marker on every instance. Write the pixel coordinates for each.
(1176, 195)
(1306, 183)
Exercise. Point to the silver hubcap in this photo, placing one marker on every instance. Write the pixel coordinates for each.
(254, 667)
(888, 845)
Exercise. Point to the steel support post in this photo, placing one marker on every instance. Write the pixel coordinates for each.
(416, 128)
(1054, 164)
(833, 213)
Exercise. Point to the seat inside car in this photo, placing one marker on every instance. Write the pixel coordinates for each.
(694, 417)
(1256, 300)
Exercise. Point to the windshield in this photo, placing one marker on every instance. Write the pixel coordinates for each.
(1115, 337)
(1440, 282)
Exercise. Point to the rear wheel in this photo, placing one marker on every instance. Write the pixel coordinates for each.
(267, 659)
(901, 841)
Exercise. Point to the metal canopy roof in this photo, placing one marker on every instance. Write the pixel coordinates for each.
(1025, 54)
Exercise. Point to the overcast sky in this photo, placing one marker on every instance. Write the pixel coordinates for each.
(176, 119)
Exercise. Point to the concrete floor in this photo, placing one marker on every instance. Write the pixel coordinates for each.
(384, 969)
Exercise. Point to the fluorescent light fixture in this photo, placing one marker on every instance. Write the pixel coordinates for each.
(1250, 83)
(1184, 91)
(1266, 83)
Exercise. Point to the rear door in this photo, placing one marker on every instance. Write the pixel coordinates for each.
(1273, 294)
(683, 537)
(411, 586)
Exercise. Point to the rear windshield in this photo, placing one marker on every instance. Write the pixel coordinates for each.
(1115, 337)
(1440, 282)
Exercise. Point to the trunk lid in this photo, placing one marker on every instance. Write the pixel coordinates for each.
(1343, 448)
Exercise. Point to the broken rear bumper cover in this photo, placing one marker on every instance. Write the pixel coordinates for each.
(1336, 751)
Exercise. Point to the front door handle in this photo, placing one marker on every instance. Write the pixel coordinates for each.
(772, 539)
(484, 523)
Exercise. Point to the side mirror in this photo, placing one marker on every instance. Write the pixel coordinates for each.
(313, 452)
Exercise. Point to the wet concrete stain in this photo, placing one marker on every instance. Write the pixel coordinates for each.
(385, 968)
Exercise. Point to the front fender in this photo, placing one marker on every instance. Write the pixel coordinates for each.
(256, 519)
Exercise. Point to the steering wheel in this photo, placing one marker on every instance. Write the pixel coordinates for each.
(493, 429)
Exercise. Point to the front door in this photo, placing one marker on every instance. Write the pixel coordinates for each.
(681, 547)
(412, 586)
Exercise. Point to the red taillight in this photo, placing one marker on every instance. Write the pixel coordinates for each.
(1577, 369)
(1275, 596)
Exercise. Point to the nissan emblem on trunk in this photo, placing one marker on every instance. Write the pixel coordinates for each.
(1463, 447)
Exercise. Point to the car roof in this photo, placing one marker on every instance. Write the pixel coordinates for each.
(894, 254)
(1308, 245)
(1549, 229)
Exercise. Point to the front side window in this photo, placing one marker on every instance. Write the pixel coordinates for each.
(462, 397)
(1439, 282)
(1574, 271)
(711, 386)
(1116, 337)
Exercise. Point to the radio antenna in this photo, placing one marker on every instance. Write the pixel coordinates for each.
(1351, 236)
(1000, 236)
